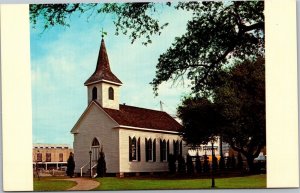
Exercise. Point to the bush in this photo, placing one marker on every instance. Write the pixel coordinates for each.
(198, 166)
(214, 163)
(240, 162)
(171, 163)
(70, 165)
(181, 165)
(233, 162)
(101, 166)
(205, 164)
(189, 165)
(222, 163)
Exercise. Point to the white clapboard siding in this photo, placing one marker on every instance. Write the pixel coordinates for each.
(143, 166)
(95, 123)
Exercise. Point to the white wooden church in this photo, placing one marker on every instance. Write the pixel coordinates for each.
(134, 139)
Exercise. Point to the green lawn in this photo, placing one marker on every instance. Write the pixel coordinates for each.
(52, 184)
(135, 183)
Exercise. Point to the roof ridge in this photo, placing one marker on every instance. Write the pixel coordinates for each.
(143, 108)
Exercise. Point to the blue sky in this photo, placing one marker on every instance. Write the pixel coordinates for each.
(63, 58)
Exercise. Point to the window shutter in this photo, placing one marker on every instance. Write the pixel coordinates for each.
(139, 149)
(161, 150)
(130, 149)
(154, 150)
(168, 150)
(146, 149)
(180, 148)
(174, 147)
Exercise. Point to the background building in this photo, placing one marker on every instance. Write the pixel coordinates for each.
(50, 156)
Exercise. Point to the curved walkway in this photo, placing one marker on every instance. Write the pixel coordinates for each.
(83, 184)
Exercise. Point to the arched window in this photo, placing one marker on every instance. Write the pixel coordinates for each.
(95, 142)
(150, 150)
(163, 150)
(134, 149)
(95, 149)
(110, 93)
(94, 93)
(176, 148)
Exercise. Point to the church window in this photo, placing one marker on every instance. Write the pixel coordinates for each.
(95, 149)
(150, 150)
(111, 93)
(164, 147)
(177, 148)
(94, 93)
(134, 149)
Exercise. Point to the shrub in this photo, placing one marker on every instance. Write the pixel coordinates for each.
(222, 163)
(233, 162)
(101, 166)
(240, 162)
(189, 165)
(214, 163)
(198, 166)
(70, 165)
(205, 164)
(171, 163)
(181, 165)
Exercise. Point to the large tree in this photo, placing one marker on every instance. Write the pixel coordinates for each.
(217, 33)
(235, 110)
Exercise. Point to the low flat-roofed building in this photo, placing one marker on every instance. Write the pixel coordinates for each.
(50, 156)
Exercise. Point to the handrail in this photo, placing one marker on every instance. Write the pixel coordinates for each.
(82, 168)
(92, 169)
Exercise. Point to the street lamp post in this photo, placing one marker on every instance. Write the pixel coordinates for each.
(90, 152)
(212, 165)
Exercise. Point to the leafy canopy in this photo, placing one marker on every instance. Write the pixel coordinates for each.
(237, 112)
(218, 33)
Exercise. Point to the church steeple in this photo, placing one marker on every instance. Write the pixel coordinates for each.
(102, 72)
(103, 85)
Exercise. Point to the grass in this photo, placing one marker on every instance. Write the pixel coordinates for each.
(134, 183)
(52, 184)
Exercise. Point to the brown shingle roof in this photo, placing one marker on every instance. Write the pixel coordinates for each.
(102, 71)
(143, 118)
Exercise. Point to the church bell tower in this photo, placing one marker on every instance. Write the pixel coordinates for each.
(103, 86)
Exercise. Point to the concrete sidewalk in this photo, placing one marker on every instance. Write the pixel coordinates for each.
(83, 183)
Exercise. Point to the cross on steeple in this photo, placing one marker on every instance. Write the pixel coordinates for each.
(103, 33)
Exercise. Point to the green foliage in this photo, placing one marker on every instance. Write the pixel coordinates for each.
(181, 165)
(198, 165)
(201, 120)
(172, 164)
(222, 163)
(239, 161)
(233, 162)
(215, 165)
(189, 165)
(101, 166)
(237, 111)
(206, 164)
(219, 32)
(70, 165)
(133, 19)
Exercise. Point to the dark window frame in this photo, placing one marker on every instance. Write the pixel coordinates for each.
(111, 93)
(94, 93)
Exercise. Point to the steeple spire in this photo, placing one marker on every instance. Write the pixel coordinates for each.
(102, 72)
